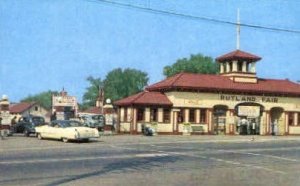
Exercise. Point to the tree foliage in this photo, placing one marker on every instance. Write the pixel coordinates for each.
(122, 83)
(43, 98)
(195, 64)
(91, 94)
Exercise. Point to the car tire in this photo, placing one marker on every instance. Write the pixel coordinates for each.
(65, 140)
(26, 133)
(39, 136)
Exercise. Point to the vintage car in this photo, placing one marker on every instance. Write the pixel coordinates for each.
(66, 130)
(27, 124)
(93, 121)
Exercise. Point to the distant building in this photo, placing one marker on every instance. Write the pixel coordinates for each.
(235, 101)
(28, 108)
(64, 106)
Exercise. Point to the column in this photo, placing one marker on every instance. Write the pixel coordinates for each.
(221, 68)
(234, 66)
(244, 66)
(134, 120)
(210, 121)
(186, 115)
(122, 114)
(268, 131)
(147, 114)
(160, 115)
(295, 118)
(286, 122)
(175, 114)
(197, 115)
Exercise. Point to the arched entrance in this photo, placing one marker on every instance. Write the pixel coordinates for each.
(277, 121)
(219, 119)
(248, 118)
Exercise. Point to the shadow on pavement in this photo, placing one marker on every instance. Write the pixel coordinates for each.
(121, 166)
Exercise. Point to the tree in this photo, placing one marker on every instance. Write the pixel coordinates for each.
(43, 98)
(91, 94)
(195, 64)
(122, 83)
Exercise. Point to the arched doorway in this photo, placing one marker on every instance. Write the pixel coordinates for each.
(219, 119)
(248, 118)
(277, 121)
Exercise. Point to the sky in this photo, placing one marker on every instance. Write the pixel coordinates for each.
(51, 44)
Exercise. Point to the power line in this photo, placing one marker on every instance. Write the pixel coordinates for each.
(187, 16)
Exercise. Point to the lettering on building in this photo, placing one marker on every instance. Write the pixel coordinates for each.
(241, 98)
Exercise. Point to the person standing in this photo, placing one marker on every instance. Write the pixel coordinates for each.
(272, 128)
(253, 127)
(275, 127)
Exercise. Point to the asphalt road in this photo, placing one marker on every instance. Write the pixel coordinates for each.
(138, 160)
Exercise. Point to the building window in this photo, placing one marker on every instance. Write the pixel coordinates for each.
(291, 118)
(141, 114)
(203, 116)
(166, 114)
(125, 114)
(298, 118)
(230, 66)
(180, 117)
(36, 108)
(192, 115)
(153, 115)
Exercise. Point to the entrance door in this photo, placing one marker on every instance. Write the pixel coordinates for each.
(277, 121)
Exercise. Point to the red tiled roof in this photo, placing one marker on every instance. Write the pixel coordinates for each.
(205, 82)
(145, 98)
(20, 107)
(93, 110)
(239, 55)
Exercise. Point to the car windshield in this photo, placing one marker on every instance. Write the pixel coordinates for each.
(71, 124)
(38, 120)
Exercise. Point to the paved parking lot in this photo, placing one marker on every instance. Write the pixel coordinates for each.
(158, 160)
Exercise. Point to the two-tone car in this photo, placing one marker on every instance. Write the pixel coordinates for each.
(66, 130)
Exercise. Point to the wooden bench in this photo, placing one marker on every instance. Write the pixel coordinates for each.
(197, 129)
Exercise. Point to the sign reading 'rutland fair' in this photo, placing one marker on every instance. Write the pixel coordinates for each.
(244, 98)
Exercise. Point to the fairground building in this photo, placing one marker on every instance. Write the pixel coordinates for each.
(233, 102)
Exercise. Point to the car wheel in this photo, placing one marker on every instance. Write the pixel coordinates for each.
(65, 140)
(26, 133)
(39, 136)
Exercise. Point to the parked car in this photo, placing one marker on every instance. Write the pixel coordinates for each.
(66, 130)
(93, 121)
(26, 125)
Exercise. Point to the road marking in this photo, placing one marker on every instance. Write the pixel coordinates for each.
(264, 155)
(247, 165)
(150, 155)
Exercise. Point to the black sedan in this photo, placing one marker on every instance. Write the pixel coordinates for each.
(26, 125)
